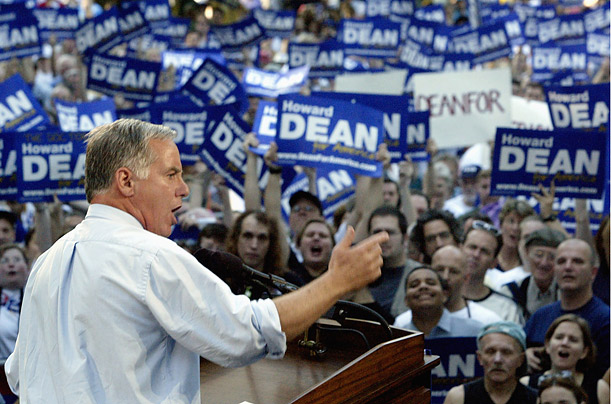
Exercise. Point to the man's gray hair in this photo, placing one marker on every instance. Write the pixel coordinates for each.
(123, 143)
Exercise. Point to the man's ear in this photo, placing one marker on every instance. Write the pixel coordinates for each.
(124, 180)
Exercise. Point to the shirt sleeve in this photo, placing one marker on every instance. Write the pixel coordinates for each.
(200, 312)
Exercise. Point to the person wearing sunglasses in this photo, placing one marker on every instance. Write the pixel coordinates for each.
(481, 244)
(561, 389)
(569, 350)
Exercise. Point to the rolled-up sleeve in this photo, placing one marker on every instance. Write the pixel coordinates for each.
(199, 311)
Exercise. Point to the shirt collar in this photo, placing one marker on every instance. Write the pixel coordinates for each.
(107, 212)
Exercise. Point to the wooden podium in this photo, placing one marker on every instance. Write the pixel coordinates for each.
(391, 368)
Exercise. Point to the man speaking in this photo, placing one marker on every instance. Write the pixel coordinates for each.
(114, 312)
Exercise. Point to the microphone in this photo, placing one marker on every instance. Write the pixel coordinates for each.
(224, 264)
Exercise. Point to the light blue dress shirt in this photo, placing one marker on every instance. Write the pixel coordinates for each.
(113, 313)
(449, 325)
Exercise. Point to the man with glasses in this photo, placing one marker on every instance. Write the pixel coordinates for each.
(435, 229)
(539, 288)
(481, 244)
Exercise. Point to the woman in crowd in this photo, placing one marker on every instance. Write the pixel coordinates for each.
(510, 217)
(14, 271)
(568, 348)
(561, 389)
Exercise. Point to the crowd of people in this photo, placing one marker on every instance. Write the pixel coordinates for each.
(457, 262)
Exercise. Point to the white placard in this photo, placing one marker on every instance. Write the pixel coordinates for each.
(466, 107)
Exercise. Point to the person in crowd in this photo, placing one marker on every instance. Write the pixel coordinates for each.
(601, 242)
(435, 229)
(510, 217)
(481, 245)
(167, 309)
(602, 390)
(315, 242)
(8, 221)
(568, 348)
(465, 201)
(394, 252)
(500, 351)
(213, 236)
(14, 271)
(497, 278)
(451, 263)
(561, 389)
(575, 268)
(539, 288)
(489, 205)
(391, 193)
(256, 239)
(426, 293)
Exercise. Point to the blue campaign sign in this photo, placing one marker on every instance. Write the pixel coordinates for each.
(551, 59)
(458, 365)
(156, 12)
(492, 12)
(530, 16)
(276, 23)
(486, 43)
(187, 61)
(433, 12)
(264, 83)
(132, 22)
(334, 189)
(317, 132)
(140, 113)
(190, 123)
(563, 30)
(142, 44)
(597, 19)
(402, 8)
(404, 132)
(418, 56)
(371, 37)
(234, 37)
(60, 22)
(8, 166)
(84, 116)
(99, 34)
(177, 29)
(579, 107)
(215, 84)
(598, 44)
(264, 126)
(135, 79)
(430, 34)
(50, 163)
(19, 109)
(325, 59)
(223, 150)
(513, 29)
(524, 158)
(19, 34)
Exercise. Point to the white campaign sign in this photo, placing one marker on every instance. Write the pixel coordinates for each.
(465, 107)
(530, 114)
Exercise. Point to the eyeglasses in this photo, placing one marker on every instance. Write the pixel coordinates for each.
(539, 255)
(481, 225)
(304, 208)
(563, 374)
(444, 235)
